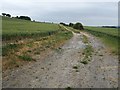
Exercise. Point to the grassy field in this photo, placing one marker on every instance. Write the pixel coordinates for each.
(16, 28)
(109, 36)
(110, 31)
(22, 40)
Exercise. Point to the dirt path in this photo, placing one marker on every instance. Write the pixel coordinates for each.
(58, 68)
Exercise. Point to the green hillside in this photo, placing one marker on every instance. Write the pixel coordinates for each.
(24, 39)
(12, 28)
(110, 31)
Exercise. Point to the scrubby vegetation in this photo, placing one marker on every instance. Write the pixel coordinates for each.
(87, 52)
(77, 25)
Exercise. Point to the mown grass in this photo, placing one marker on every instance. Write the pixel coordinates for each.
(109, 36)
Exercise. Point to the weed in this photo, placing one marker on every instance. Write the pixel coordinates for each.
(88, 54)
(75, 67)
(85, 39)
(77, 70)
(25, 58)
(84, 62)
(68, 88)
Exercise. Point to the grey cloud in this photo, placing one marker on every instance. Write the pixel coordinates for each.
(92, 13)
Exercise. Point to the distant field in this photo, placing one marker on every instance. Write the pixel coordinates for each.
(109, 36)
(111, 31)
(12, 28)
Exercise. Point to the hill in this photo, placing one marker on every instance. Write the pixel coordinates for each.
(22, 40)
(16, 28)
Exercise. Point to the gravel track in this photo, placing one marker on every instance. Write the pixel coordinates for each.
(56, 68)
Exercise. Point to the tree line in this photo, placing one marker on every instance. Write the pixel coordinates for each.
(77, 25)
(18, 17)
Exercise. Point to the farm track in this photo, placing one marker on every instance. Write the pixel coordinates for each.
(56, 68)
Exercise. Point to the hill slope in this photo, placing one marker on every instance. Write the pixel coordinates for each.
(24, 39)
(12, 28)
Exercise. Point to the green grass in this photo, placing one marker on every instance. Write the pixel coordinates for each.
(88, 54)
(85, 39)
(9, 48)
(110, 31)
(15, 28)
(74, 30)
(23, 39)
(26, 57)
(109, 36)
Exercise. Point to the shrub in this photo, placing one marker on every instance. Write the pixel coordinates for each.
(78, 26)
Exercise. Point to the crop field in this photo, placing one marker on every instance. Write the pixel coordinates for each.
(24, 39)
(16, 28)
(109, 36)
(110, 31)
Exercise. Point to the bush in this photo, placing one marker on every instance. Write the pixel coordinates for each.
(25, 18)
(71, 24)
(78, 26)
(63, 24)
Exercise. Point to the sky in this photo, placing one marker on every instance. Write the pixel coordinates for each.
(88, 12)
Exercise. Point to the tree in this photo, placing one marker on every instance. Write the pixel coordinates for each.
(63, 24)
(71, 24)
(4, 14)
(16, 17)
(8, 15)
(78, 26)
(25, 18)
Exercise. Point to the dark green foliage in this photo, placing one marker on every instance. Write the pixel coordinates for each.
(25, 18)
(84, 62)
(3, 14)
(8, 15)
(68, 88)
(63, 24)
(75, 67)
(71, 24)
(78, 26)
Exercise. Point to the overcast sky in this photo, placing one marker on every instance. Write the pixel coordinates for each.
(88, 12)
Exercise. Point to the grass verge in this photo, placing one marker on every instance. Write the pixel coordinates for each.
(17, 54)
(111, 41)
